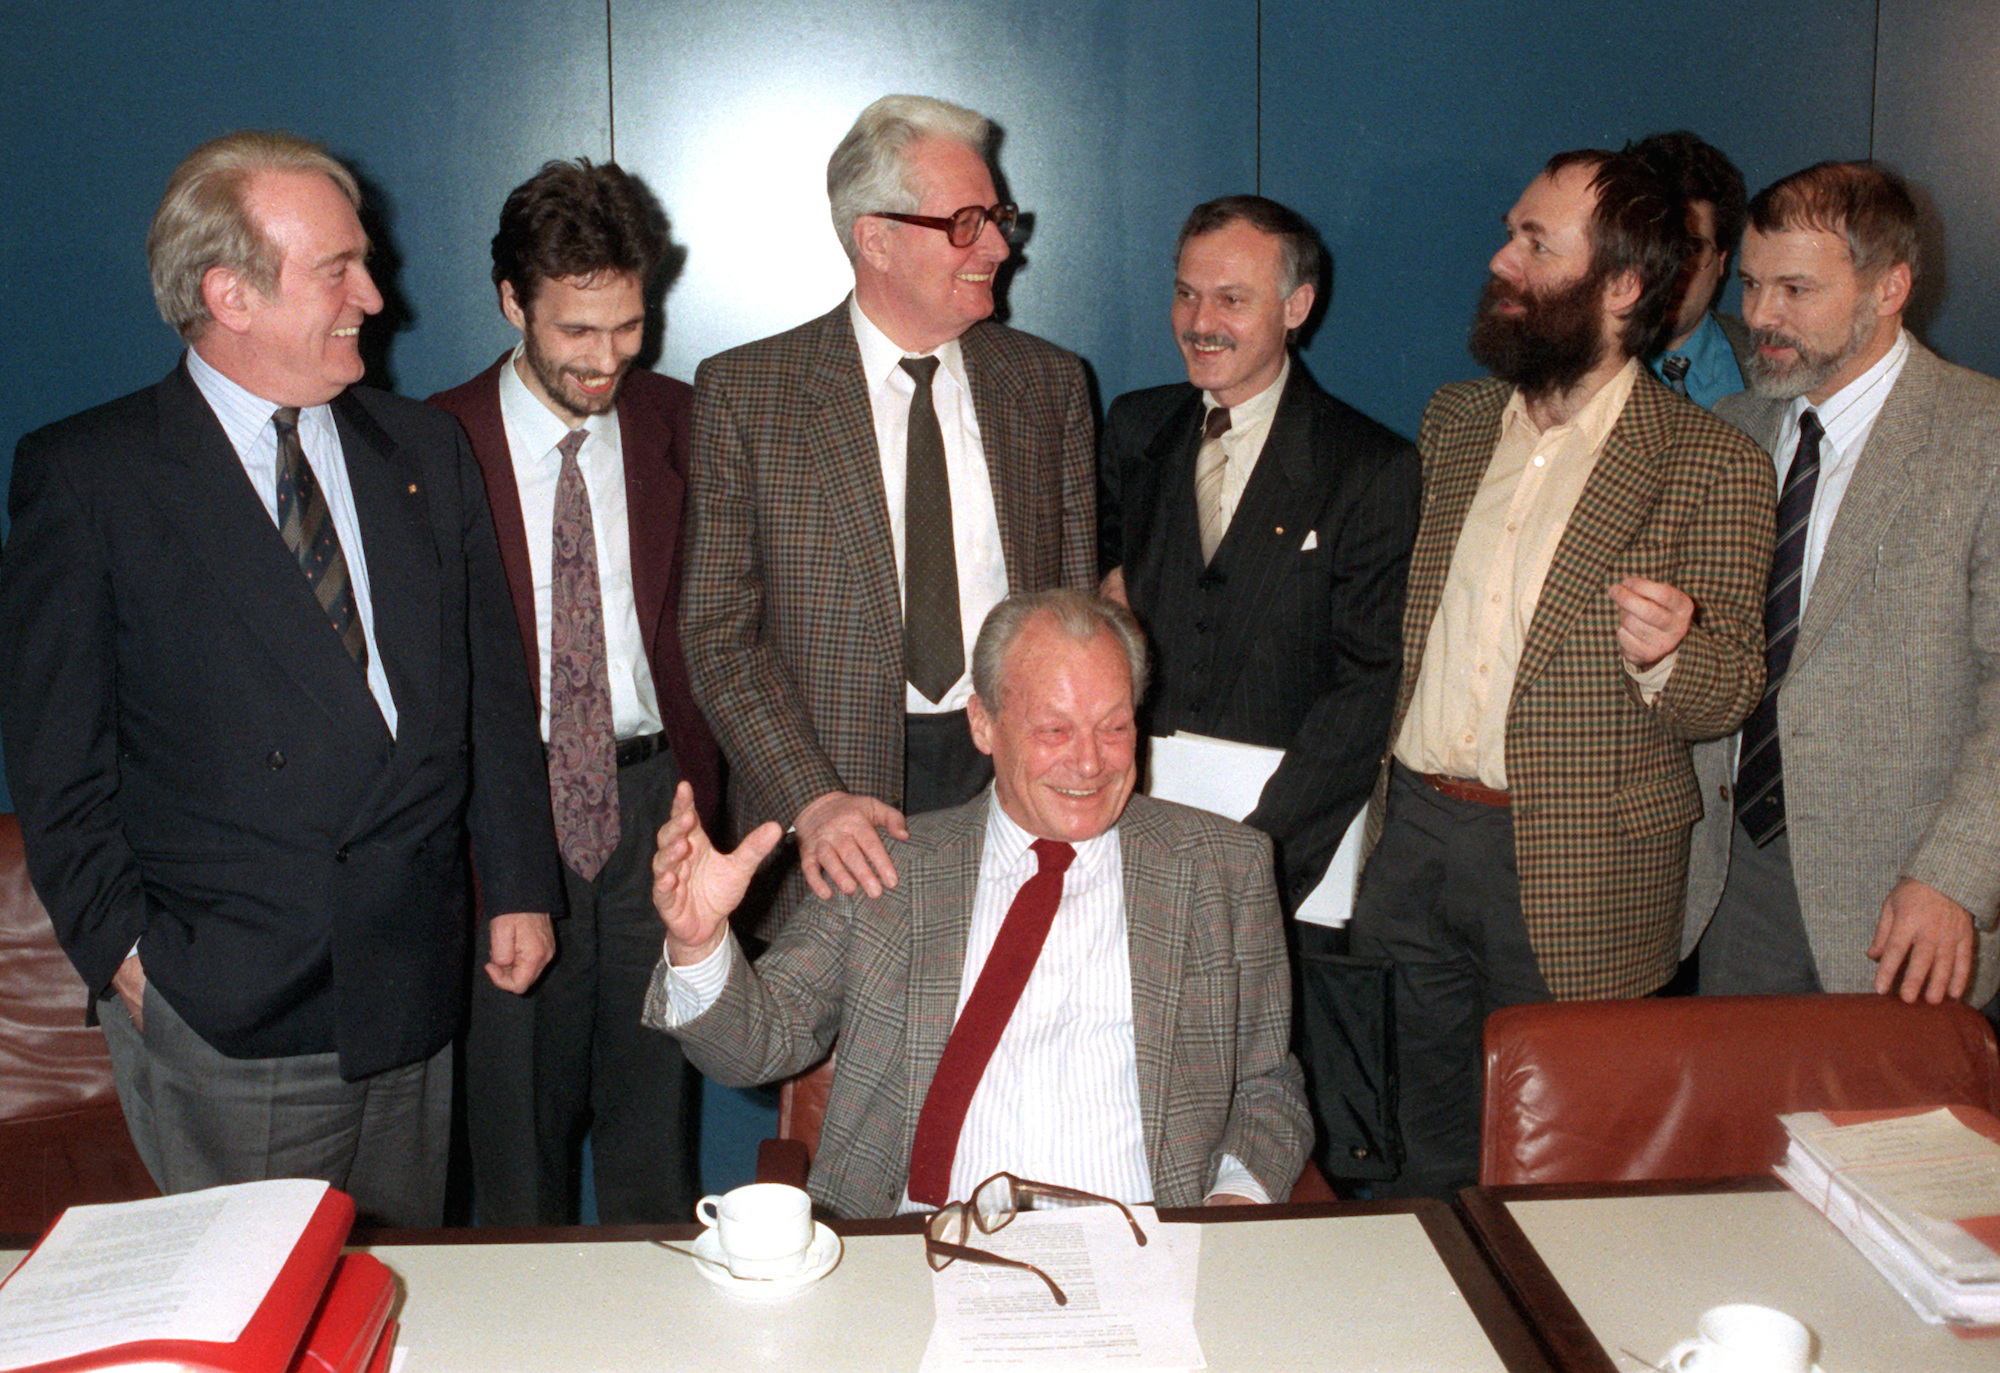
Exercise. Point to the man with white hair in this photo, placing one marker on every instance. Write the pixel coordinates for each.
(866, 487)
(1071, 983)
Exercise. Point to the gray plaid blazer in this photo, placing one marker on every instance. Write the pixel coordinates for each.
(791, 617)
(1211, 1005)
(1889, 716)
(1603, 792)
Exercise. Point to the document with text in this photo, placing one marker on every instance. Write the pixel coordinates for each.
(1130, 1306)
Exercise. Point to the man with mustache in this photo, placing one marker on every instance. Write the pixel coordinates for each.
(1864, 851)
(1582, 603)
(586, 461)
(866, 487)
(1260, 530)
(260, 688)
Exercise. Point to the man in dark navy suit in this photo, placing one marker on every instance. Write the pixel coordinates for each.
(261, 677)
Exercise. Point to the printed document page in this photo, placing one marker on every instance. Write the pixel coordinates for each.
(1130, 1307)
(189, 1267)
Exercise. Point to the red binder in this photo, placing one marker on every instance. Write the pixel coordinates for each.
(351, 1332)
(270, 1341)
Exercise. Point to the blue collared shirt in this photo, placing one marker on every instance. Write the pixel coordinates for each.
(1712, 370)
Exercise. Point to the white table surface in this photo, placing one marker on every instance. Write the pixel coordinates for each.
(1641, 1270)
(1349, 1293)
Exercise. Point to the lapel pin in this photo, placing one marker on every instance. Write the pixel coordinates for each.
(413, 488)
(1281, 529)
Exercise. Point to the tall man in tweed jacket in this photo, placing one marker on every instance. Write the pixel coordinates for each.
(1145, 1058)
(794, 616)
(1583, 601)
(1879, 868)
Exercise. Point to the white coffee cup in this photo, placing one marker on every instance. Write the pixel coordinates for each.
(1744, 1339)
(764, 1228)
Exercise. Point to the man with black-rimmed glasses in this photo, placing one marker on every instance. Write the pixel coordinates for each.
(866, 487)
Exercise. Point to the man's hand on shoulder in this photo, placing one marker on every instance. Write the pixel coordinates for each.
(519, 944)
(1653, 618)
(1929, 937)
(839, 845)
(696, 888)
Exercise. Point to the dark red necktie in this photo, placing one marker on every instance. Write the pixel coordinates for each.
(980, 1024)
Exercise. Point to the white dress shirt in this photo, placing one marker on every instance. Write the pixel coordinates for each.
(1848, 417)
(533, 433)
(247, 420)
(975, 523)
(1059, 1100)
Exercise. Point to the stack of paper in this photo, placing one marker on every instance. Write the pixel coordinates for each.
(243, 1279)
(1918, 1191)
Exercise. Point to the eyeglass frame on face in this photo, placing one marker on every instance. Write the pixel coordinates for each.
(1003, 216)
(940, 1252)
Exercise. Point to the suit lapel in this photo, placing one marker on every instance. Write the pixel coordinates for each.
(392, 506)
(486, 426)
(205, 490)
(1454, 463)
(1159, 898)
(1013, 470)
(840, 441)
(1875, 494)
(1279, 505)
(654, 498)
(1170, 553)
(940, 897)
(1615, 501)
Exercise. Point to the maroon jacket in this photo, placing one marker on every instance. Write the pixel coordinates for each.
(653, 420)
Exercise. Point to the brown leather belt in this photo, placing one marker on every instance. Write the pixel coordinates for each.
(1465, 789)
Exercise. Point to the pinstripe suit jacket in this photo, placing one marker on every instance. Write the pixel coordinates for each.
(1889, 715)
(1211, 1005)
(1603, 791)
(1270, 643)
(792, 616)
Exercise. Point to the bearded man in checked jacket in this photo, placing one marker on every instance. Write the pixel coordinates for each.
(1585, 599)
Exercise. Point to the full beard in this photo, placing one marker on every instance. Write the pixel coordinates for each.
(1550, 346)
(555, 381)
(1809, 370)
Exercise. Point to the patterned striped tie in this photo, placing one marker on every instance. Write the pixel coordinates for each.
(307, 527)
(583, 743)
(1674, 368)
(977, 1032)
(1210, 467)
(1760, 779)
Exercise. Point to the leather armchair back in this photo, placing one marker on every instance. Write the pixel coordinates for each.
(1691, 1087)
(63, 1139)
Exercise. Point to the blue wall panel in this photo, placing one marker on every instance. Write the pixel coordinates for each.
(1937, 119)
(1109, 135)
(1405, 131)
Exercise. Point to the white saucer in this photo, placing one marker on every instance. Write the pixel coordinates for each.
(821, 1257)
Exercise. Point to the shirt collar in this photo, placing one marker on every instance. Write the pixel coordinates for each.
(243, 414)
(882, 357)
(1854, 407)
(1260, 407)
(539, 428)
(1590, 426)
(1009, 842)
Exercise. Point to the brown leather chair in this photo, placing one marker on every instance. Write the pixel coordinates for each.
(1691, 1087)
(63, 1139)
(802, 1106)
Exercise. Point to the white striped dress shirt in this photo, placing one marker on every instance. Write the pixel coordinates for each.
(1059, 1101)
(246, 420)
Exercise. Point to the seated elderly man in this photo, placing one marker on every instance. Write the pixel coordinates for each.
(1075, 984)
